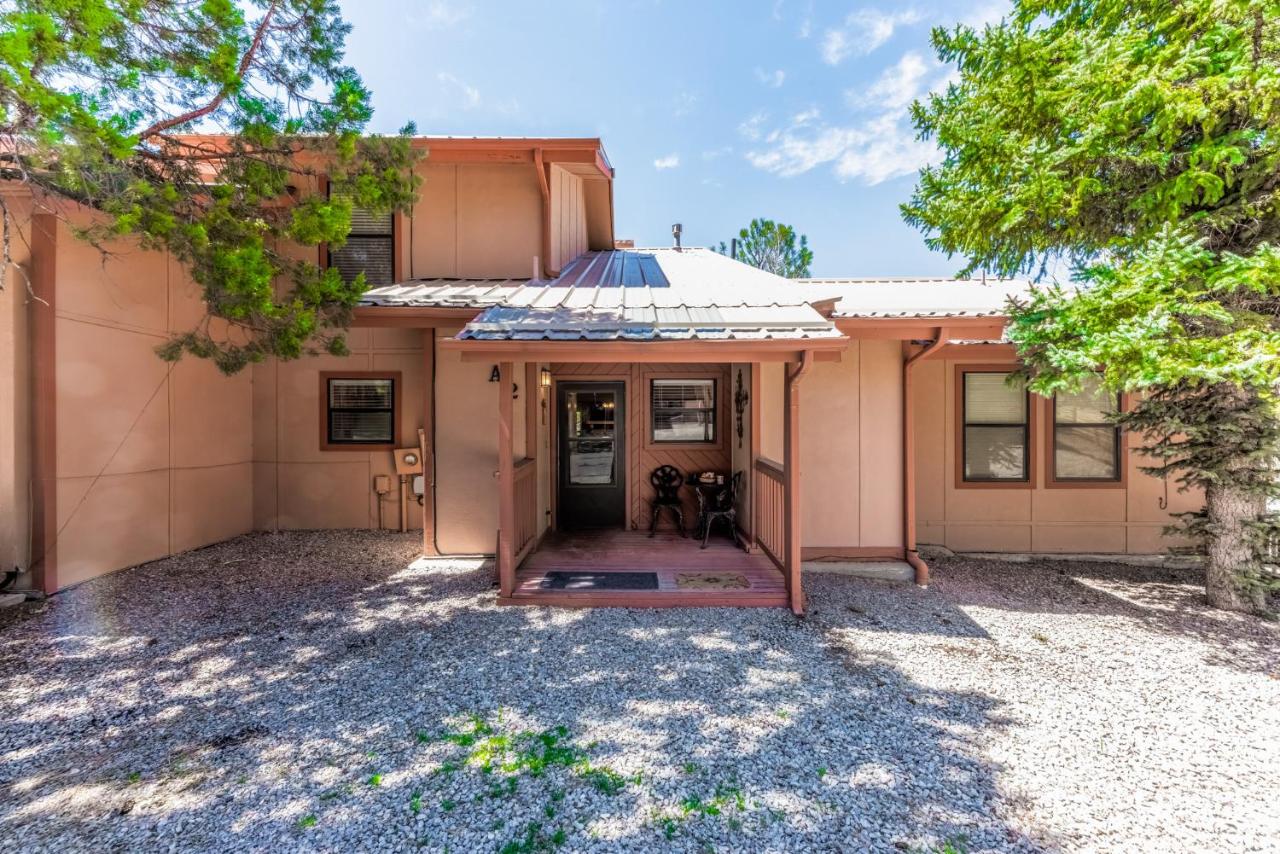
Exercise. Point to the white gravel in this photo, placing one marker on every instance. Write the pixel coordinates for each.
(268, 694)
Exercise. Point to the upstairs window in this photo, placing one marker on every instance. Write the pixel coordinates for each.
(370, 249)
(359, 410)
(1085, 442)
(995, 429)
(682, 411)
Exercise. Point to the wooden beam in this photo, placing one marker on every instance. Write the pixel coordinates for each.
(756, 404)
(429, 443)
(506, 484)
(767, 350)
(411, 316)
(791, 494)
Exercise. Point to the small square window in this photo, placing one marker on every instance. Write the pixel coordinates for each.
(682, 412)
(360, 410)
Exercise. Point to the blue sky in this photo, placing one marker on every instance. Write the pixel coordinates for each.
(712, 113)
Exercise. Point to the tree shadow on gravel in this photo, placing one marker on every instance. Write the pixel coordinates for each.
(287, 691)
(1167, 601)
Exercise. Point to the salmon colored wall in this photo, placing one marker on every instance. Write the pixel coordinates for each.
(152, 459)
(297, 485)
(475, 221)
(568, 217)
(15, 400)
(1111, 520)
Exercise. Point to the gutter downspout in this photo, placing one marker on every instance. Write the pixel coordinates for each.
(791, 467)
(941, 337)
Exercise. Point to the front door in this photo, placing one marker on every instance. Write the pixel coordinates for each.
(592, 429)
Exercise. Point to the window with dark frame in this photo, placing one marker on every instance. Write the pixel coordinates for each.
(682, 411)
(370, 249)
(996, 434)
(1086, 443)
(361, 411)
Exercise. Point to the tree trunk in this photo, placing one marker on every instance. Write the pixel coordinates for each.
(1231, 560)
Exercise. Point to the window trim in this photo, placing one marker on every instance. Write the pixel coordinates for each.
(1030, 430)
(1049, 440)
(360, 447)
(717, 379)
(397, 236)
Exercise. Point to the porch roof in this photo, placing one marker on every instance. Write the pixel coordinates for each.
(916, 298)
(652, 295)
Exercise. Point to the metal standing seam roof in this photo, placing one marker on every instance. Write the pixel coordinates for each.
(917, 298)
(636, 295)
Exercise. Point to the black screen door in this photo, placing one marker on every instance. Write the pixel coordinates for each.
(592, 426)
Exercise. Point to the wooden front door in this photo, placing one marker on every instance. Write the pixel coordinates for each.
(592, 427)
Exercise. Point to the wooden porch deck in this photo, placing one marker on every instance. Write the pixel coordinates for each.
(667, 554)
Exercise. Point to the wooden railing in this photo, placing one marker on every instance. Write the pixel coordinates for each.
(526, 490)
(768, 496)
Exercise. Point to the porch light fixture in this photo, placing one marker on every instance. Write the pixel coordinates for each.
(544, 378)
(544, 383)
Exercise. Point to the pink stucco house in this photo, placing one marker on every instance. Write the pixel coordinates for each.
(517, 375)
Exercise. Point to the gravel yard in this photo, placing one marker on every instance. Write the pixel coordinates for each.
(321, 691)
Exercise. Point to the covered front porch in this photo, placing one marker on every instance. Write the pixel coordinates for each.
(615, 568)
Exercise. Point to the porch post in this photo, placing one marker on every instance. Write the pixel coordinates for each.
(791, 471)
(428, 449)
(506, 484)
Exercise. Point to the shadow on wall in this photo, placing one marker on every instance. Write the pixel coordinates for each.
(290, 690)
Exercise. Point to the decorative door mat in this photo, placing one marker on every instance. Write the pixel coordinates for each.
(711, 581)
(565, 580)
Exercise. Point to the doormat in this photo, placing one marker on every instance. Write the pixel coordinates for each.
(711, 581)
(565, 580)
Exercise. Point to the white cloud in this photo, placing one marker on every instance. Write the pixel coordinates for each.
(685, 103)
(750, 129)
(863, 31)
(439, 15)
(897, 86)
(671, 161)
(772, 79)
(470, 94)
(880, 146)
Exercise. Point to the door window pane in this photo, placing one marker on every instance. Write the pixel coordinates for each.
(995, 428)
(592, 437)
(683, 411)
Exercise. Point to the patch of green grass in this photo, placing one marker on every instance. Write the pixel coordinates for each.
(306, 821)
(535, 839)
(447, 805)
(415, 803)
(690, 768)
(423, 737)
(604, 780)
(504, 789)
(728, 801)
(134, 777)
(336, 792)
(375, 780)
(784, 714)
(822, 772)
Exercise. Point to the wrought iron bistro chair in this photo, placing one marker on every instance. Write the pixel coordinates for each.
(666, 481)
(723, 505)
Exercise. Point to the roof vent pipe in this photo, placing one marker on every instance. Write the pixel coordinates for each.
(675, 233)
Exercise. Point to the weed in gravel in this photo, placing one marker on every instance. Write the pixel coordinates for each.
(306, 821)
(728, 801)
(336, 792)
(447, 805)
(375, 780)
(689, 768)
(822, 772)
(534, 839)
(415, 803)
(135, 777)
